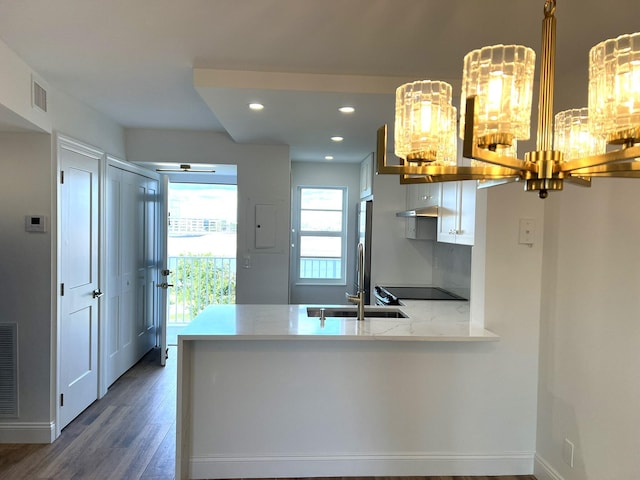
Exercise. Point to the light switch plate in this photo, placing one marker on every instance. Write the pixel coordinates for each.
(527, 231)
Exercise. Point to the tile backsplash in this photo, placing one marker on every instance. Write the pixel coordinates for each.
(452, 267)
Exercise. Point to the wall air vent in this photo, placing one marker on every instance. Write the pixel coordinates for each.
(38, 95)
(8, 370)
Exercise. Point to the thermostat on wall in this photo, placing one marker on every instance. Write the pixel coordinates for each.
(35, 223)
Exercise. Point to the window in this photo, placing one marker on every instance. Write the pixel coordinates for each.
(321, 235)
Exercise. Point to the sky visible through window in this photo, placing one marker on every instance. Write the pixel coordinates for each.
(203, 219)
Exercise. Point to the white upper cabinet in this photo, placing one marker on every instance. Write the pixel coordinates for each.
(422, 195)
(366, 176)
(457, 212)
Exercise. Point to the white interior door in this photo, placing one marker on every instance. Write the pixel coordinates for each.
(163, 281)
(79, 290)
(151, 266)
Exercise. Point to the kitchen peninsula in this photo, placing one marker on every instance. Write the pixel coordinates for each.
(267, 391)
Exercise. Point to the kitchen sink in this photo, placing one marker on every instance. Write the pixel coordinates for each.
(353, 312)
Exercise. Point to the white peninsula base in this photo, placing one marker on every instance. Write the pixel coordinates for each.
(299, 406)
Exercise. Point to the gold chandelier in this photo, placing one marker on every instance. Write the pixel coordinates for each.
(496, 100)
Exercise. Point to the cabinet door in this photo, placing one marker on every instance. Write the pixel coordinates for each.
(366, 177)
(457, 212)
(448, 212)
(465, 231)
(422, 195)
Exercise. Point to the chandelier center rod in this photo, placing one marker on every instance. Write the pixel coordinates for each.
(544, 139)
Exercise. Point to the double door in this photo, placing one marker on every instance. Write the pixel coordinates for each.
(131, 265)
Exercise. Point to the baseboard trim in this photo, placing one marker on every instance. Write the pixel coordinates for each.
(544, 471)
(511, 463)
(27, 432)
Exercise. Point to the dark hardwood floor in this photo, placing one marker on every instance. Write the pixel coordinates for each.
(129, 434)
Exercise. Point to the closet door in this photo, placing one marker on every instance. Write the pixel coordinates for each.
(113, 293)
(121, 271)
(147, 265)
(131, 268)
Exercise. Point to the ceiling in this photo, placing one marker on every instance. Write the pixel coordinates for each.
(196, 64)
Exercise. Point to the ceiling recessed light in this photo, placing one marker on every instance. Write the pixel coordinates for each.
(347, 109)
(328, 157)
(256, 106)
(337, 139)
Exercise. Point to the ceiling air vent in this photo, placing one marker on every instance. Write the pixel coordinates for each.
(8, 370)
(39, 95)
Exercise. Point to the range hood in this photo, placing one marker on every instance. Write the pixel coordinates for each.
(431, 211)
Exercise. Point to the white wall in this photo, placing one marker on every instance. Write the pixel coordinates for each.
(81, 122)
(590, 332)
(263, 178)
(328, 174)
(15, 93)
(25, 273)
(505, 296)
(28, 186)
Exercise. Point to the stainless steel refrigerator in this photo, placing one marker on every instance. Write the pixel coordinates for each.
(365, 219)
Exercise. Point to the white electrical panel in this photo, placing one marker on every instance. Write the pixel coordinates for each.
(35, 223)
(265, 226)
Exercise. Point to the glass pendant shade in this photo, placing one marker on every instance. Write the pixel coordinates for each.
(424, 121)
(614, 87)
(501, 76)
(572, 135)
(448, 154)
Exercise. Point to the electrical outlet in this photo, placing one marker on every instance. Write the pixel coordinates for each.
(567, 452)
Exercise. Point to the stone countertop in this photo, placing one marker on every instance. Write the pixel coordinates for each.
(441, 321)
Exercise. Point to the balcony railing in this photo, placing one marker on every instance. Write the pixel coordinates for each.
(320, 267)
(199, 281)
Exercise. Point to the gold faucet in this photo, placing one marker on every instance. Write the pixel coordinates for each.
(358, 298)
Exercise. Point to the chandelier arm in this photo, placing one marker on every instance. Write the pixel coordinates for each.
(381, 154)
(469, 176)
(580, 181)
(468, 144)
(494, 158)
(440, 172)
(624, 174)
(496, 182)
(604, 159)
(408, 179)
(503, 166)
(621, 169)
(471, 150)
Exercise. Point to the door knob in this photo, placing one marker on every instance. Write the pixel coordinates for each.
(97, 293)
(165, 285)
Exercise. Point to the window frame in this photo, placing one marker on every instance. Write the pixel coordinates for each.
(342, 234)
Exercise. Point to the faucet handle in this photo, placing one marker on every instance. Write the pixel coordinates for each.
(353, 298)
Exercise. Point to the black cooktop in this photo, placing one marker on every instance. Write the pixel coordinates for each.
(417, 293)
